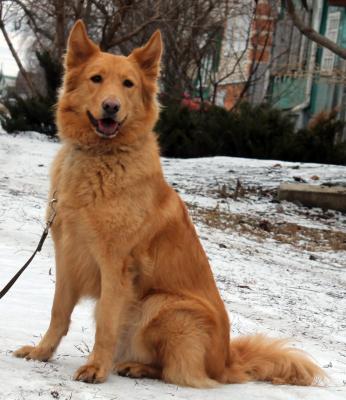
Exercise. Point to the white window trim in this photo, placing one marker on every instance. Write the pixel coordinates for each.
(332, 33)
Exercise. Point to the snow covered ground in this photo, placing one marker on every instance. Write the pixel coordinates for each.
(280, 269)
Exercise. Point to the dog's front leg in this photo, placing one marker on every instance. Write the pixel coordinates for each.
(65, 298)
(115, 293)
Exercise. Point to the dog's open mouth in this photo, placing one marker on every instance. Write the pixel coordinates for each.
(107, 128)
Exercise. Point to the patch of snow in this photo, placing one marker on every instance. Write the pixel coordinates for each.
(267, 286)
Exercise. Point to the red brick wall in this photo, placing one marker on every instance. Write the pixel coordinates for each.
(340, 3)
(233, 92)
(262, 33)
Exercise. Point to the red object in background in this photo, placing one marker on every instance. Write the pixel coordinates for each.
(338, 3)
(193, 104)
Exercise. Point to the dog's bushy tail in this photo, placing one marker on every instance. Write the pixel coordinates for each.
(259, 358)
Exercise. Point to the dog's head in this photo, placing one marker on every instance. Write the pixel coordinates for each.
(107, 98)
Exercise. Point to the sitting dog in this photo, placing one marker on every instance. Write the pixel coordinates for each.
(124, 237)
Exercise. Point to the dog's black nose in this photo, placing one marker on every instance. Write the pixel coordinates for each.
(111, 106)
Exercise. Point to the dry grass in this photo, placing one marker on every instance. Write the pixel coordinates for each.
(311, 239)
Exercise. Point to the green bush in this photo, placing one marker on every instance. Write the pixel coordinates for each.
(320, 143)
(262, 131)
(254, 131)
(185, 133)
(35, 113)
(32, 114)
(251, 131)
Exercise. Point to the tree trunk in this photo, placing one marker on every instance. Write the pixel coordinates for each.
(15, 56)
(60, 27)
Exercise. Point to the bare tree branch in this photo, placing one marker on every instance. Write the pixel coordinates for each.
(59, 6)
(190, 29)
(15, 55)
(34, 20)
(135, 32)
(312, 34)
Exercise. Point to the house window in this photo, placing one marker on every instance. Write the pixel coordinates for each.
(332, 31)
(237, 34)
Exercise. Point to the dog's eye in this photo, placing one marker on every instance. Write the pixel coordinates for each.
(96, 78)
(128, 83)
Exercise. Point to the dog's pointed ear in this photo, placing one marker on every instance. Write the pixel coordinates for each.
(148, 57)
(79, 46)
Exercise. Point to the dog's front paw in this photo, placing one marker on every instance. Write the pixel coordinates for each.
(91, 373)
(33, 353)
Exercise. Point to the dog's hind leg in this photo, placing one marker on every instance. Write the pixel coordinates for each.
(182, 337)
(137, 370)
(184, 363)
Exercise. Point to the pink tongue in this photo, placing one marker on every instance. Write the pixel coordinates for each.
(108, 128)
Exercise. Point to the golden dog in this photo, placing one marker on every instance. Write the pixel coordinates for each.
(123, 236)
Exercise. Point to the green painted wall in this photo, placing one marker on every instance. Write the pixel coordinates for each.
(288, 92)
(325, 93)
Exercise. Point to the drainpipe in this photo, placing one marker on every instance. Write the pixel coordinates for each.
(316, 20)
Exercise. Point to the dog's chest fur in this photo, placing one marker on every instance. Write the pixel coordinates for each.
(108, 192)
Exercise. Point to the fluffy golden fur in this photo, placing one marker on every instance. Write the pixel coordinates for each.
(123, 236)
